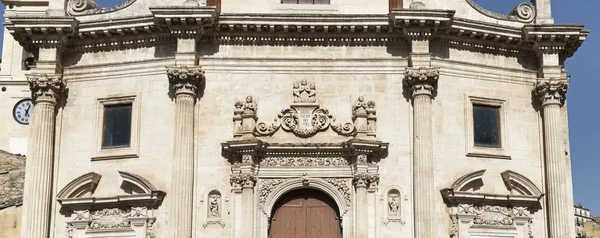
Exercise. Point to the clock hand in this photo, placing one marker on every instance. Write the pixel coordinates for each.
(27, 110)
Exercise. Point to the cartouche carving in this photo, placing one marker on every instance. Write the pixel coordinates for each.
(304, 118)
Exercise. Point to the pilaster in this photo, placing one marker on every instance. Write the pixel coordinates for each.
(422, 83)
(552, 94)
(185, 82)
(46, 92)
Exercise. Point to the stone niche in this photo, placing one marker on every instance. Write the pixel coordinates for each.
(130, 214)
(475, 214)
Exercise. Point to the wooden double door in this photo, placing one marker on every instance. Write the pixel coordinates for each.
(305, 213)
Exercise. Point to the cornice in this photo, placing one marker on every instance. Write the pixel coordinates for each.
(399, 26)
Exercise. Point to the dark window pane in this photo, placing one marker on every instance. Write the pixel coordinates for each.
(289, 1)
(486, 123)
(117, 126)
(305, 1)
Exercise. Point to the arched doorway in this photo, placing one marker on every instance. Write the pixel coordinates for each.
(305, 213)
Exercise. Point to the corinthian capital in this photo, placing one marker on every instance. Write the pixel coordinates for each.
(243, 180)
(421, 81)
(185, 80)
(45, 88)
(552, 92)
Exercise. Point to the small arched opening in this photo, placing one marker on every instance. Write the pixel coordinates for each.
(305, 213)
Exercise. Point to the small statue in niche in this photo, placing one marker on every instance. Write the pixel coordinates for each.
(360, 107)
(304, 93)
(249, 106)
(394, 203)
(213, 205)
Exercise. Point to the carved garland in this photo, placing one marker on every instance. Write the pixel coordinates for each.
(303, 161)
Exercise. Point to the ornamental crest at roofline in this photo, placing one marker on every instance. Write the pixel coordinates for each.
(304, 118)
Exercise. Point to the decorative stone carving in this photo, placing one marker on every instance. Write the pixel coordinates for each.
(110, 218)
(247, 159)
(239, 181)
(454, 227)
(394, 203)
(185, 79)
(214, 208)
(552, 92)
(214, 204)
(360, 107)
(89, 7)
(421, 81)
(304, 93)
(303, 161)
(364, 118)
(362, 159)
(524, 12)
(265, 189)
(304, 118)
(249, 106)
(366, 180)
(488, 215)
(47, 88)
(342, 186)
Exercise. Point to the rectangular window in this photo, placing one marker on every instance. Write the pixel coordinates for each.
(486, 126)
(117, 126)
(305, 1)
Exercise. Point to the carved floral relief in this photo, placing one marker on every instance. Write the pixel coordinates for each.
(303, 161)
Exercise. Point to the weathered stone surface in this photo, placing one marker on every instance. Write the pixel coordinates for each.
(12, 178)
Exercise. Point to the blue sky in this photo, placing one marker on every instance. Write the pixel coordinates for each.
(583, 111)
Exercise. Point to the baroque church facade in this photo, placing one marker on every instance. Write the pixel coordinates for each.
(290, 118)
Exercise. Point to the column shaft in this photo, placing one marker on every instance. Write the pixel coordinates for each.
(362, 221)
(184, 83)
(423, 167)
(556, 169)
(183, 167)
(248, 207)
(37, 197)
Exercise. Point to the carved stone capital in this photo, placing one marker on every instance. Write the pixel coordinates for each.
(551, 92)
(243, 180)
(45, 88)
(421, 81)
(366, 180)
(185, 80)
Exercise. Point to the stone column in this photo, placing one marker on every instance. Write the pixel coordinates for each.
(37, 198)
(360, 184)
(552, 94)
(422, 83)
(185, 82)
(246, 181)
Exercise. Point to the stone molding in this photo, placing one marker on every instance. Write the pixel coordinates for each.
(185, 80)
(263, 153)
(552, 91)
(45, 32)
(421, 81)
(497, 213)
(90, 7)
(46, 88)
(521, 13)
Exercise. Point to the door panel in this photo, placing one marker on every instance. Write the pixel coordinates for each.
(305, 214)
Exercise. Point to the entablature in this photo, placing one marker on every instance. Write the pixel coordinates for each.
(397, 26)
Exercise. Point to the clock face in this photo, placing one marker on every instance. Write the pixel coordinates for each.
(22, 110)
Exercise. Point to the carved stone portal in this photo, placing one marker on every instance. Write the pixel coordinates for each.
(304, 118)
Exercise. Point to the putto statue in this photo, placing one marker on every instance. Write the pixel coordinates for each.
(304, 93)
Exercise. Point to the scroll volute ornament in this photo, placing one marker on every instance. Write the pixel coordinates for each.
(186, 80)
(552, 92)
(45, 88)
(421, 81)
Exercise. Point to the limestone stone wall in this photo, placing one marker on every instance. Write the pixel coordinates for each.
(268, 73)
